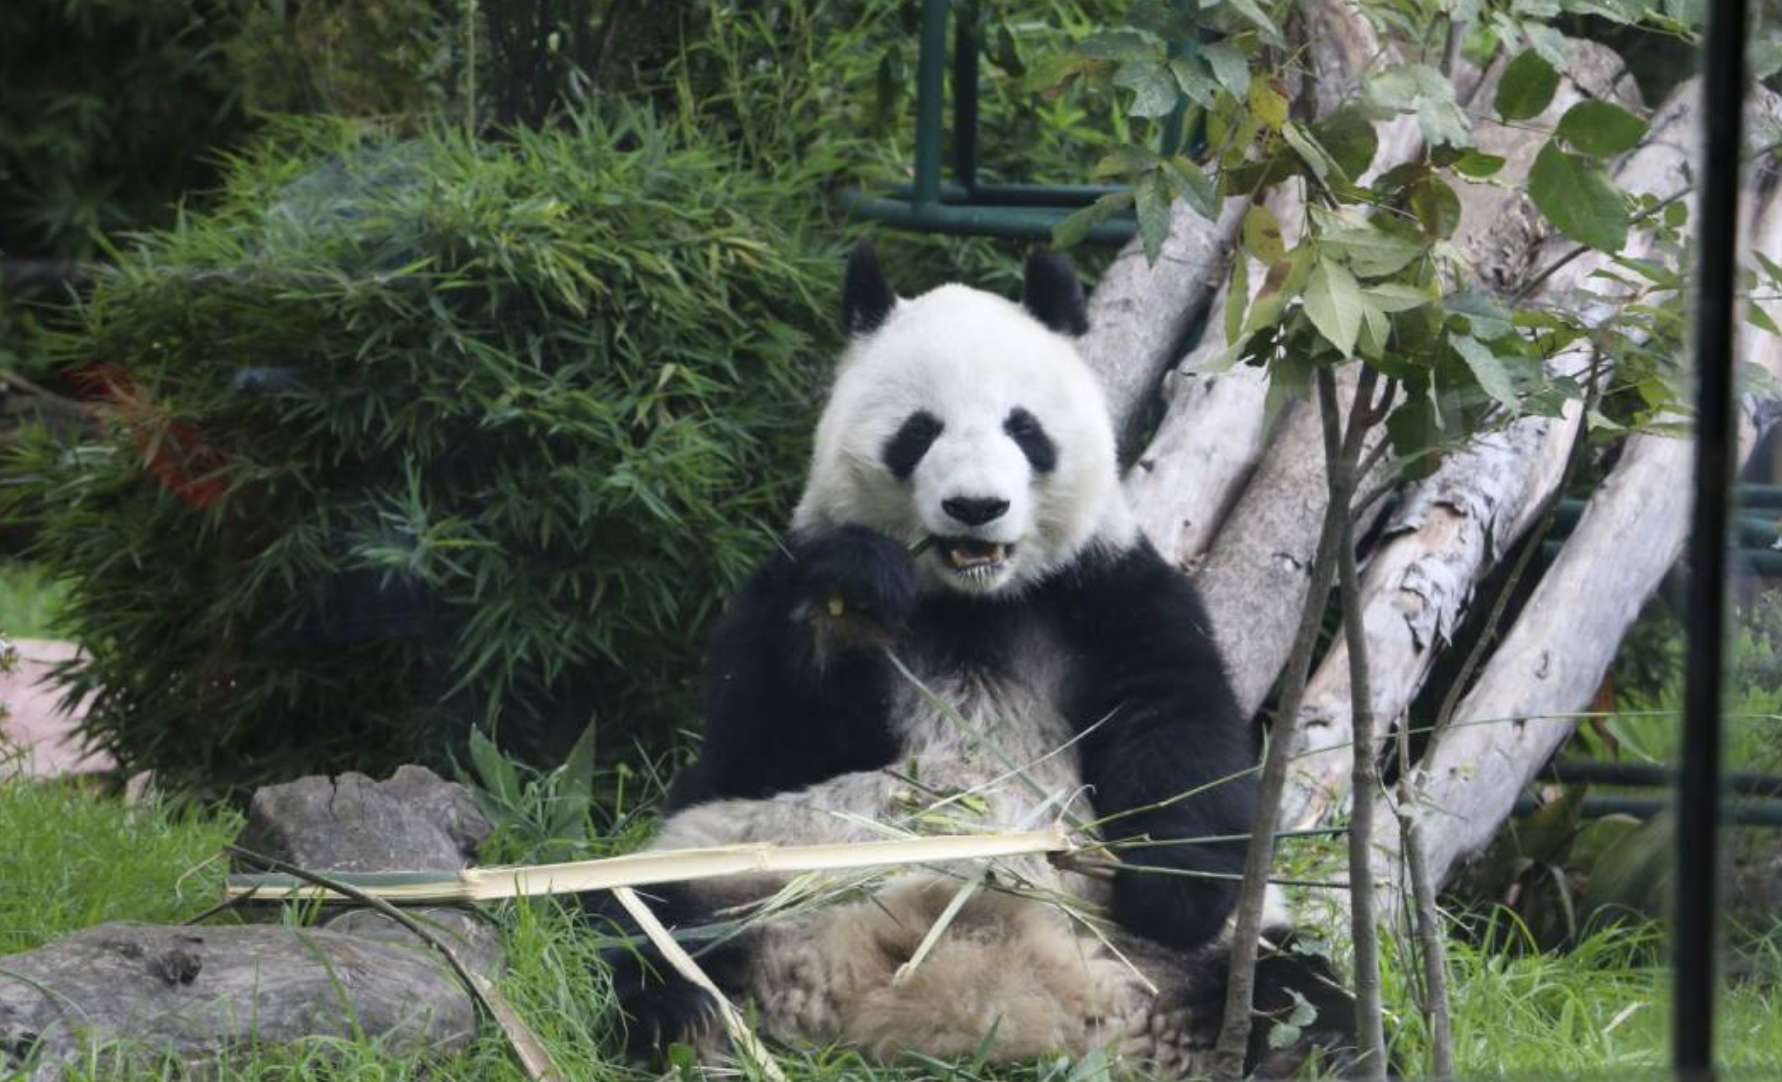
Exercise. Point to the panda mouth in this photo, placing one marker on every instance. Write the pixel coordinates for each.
(973, 557)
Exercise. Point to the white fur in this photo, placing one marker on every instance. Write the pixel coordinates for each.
(969, 358)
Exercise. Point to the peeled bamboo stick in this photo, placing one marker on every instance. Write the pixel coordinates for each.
(658, 866)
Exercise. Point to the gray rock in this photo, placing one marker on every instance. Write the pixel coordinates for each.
(191, 993)
(415, 821)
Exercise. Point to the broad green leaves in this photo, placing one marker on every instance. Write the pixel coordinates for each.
(1421, 90)
(1334, 304)
(1601, 128)
(1527, 87)
(1373, 271)
(1578, 197)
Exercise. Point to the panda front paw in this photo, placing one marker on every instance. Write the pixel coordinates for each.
(857, 586)
(660, 1007)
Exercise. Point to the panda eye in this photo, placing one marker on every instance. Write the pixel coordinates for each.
(1029, 435)
(904, 450)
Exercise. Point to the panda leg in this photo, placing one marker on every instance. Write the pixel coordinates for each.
(1175, 1032)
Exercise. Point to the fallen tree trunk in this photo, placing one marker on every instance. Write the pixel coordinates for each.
(1255, 579)
(1452, 527)
(1552, 661)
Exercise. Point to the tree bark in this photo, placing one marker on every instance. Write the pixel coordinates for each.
(1140, 313)
(1451, 528)
(1254, 580)
(1552, 661)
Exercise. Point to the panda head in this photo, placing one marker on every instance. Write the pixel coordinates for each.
(970, 421)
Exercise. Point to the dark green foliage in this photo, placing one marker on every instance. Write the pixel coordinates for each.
(493, 429)
(106, 107)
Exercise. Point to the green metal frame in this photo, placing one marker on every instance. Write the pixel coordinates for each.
(963, 205)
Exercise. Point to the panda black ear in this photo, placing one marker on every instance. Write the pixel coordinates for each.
(1053, 295)
(866, 296)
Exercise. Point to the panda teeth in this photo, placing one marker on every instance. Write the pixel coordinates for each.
(977, 559)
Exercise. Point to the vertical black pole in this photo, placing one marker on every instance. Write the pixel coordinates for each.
(1698, 820)
(967, 45)
(931, 77)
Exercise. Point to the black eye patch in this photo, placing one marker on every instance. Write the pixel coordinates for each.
(1029, 435)
(904, 450)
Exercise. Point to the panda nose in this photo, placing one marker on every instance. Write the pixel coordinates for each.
(974, 510)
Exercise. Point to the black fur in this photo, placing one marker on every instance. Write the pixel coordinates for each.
(1031, 436)
(1053, 294)
(660, 1005)
(904, 450)
(866, 296)
(783, 713)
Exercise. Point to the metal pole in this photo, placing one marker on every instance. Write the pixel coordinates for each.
(967, 46)
(931, 77)
(1698, 820)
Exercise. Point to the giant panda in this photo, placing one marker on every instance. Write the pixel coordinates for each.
(964, 591)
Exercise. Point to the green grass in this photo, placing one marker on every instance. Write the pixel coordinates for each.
(70, 857)
(30, 602)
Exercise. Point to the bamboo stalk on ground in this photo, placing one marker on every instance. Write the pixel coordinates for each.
(657, 866)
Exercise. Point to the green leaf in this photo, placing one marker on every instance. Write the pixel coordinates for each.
(1578, 198)
(494, 770)
(1348, 136)
(1073, 229)
(1124, 161)
(1230, 66)
(1120, 45)
(1370, 251)
(1602, 128)
(1194, 79)
(1436, 206)
(1153, 87)
(1493, 378)
(1283, 1035)
(1527, 87)
(1262, 235)
(1268, 104)
(1420, 89)
(1476, 165)
(1487, 317)
(1334, 304)
(1757, 317)
(1237, 298)
(1396, 296)
(1550, 43)
(1167, 21)
(1193, 184)
(1253, 12)
(1308, 150)
(1153, 213)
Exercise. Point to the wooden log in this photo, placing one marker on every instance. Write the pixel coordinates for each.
(1255, 578)
(1452, 527)
(1524, 704)
(1140, 313)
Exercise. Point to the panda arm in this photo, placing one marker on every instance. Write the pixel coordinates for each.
(1172, 727)
(790, 699)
